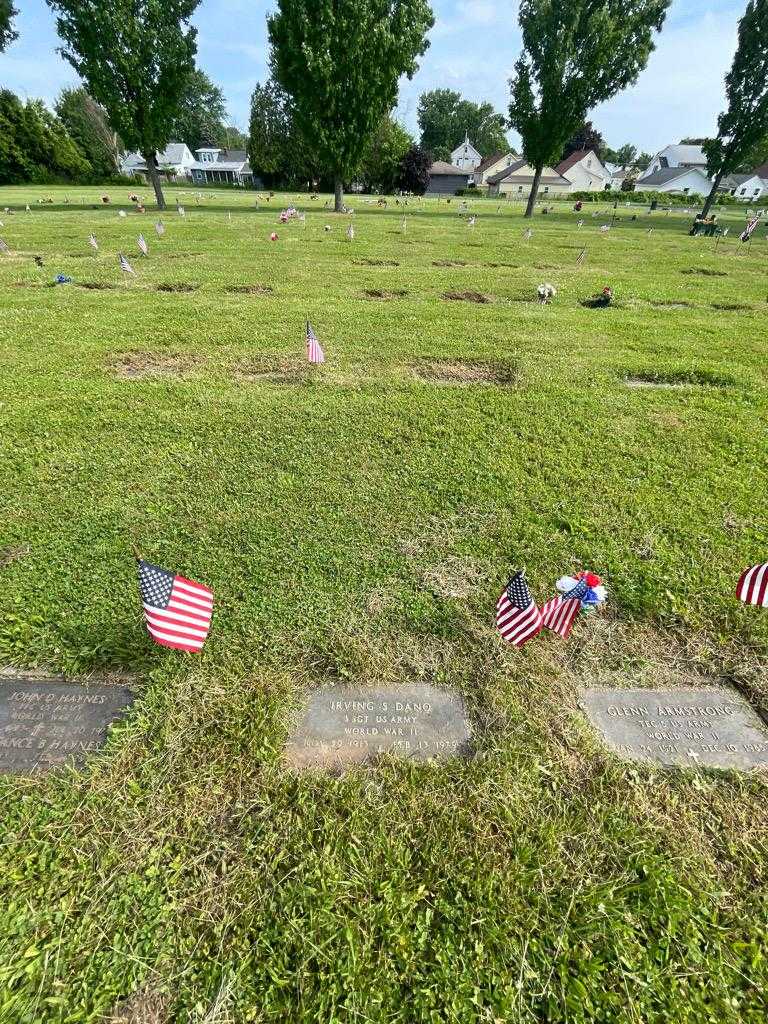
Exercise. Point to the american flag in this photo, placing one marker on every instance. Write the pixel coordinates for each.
(315, 353)
(746, 234)
(160, 229)
(92, 241)
(560, 613)
(580, 224)
(518, 618)
(472, 221)
(351, 232)
(527, 234)
(142, 244)
(3, 246)
(405, 225)
(753, 586)
(178, 611)
(725, 232)
(125, 266)
(181, 211)
(581, 257)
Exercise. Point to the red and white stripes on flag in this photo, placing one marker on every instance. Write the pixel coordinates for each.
(518, 618)
(753, 586)
(560, 613)
(125, 266)
(315, 353)
(747, 232)
(92, 241)
(159, 229)
(178, 611)
(142, 244)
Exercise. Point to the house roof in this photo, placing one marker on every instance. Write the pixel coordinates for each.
(739, 179)
(761, 171)
(172, 154)
(218, 165)
(685, 154)
(667, 174)
(548, 177)
(574, 158)
(441, 167)
(489, 161)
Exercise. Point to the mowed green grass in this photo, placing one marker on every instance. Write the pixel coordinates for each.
(357, 521)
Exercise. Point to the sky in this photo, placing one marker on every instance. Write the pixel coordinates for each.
(473, 47)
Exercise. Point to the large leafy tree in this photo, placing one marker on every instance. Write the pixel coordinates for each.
(276, 149)
(340, 61)
(87, 124)
(744, 124)
(575, 55)
(380, 167)
(445, 118)
(136, 58)
(202, 110)
(34, 144)
(7, 32)
(414, 170)
(585, 137)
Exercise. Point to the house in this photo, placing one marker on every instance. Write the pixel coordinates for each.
(466, 157)
(445, 179)
(585, 171)
(221, 166)
(620, 174)
(493, 164)
(677, 180)
(174, 162)
(516, 180)
(677, 156)
(746, 187)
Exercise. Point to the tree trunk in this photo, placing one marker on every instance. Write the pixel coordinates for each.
(338, 195)
(151, 161)
(713, 193)
(537, 172)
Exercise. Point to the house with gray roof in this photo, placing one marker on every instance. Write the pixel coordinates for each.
(215, 166)
(515, 181)
(677, 156)
(174, 162)
(676, 180)
(746, 187)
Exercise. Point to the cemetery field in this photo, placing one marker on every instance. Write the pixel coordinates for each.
(357, 522)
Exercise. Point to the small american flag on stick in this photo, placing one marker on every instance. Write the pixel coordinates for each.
(581, 257)
(181, 211)
(315, 353)
(92, 242)
(125, 266)
(177, 610)
(3, 246)
(753, 586)
(142, 244)
(518, 618)
(351, 232)
(560, 613)
(527, 234)
(159, 229)
(747, 232)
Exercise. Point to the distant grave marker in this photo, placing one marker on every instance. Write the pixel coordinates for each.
(693, 726)
(44, 723)
(348, 725)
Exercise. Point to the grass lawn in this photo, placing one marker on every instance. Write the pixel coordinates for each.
(357, 522)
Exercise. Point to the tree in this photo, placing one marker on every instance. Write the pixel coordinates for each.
(233, 138)
(276, 149)
(87, 124)
(136, 58)
(445, 119)
(624, 156)
(340, 61)
(380, 167)
(414, 171)
(34, 145)
(7, 33)
(201, 113)
(576, 55)
(586, 137)
(745, 122)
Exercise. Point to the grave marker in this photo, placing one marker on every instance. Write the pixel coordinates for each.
(44, 723)
(693, 726)
(349, 724)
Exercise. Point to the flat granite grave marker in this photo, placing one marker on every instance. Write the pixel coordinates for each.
(692, 726)
(44, 723)
(346, 724)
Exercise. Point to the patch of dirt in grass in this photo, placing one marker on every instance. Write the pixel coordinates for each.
(250, 289)
(545, 266)
(274, 370)
(467, 297)
(680, 379)
(376, 263)
(449, 263)
(143, 1007)
(136, 365)
(509, 266)
(671, 303)
(732, 307)
(466, 371)
(667, 419)
(12, 554)
(704, 272)
(95, 286)
(177, 286)
(382, 293)
(454, 577)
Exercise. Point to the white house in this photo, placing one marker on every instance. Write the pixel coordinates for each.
(516, 180)
(746, 187)
(216, 166)
(677, 156)
(676, 180)
(174, 162)
(585, 171)
(493, 164)
(466, 157)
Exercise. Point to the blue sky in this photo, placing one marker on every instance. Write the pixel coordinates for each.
(474, 45)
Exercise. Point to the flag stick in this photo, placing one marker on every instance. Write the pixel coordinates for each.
(136, 552)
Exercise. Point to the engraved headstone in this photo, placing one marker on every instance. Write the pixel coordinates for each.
(695, 727)
(44, 723)
(349, 724)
